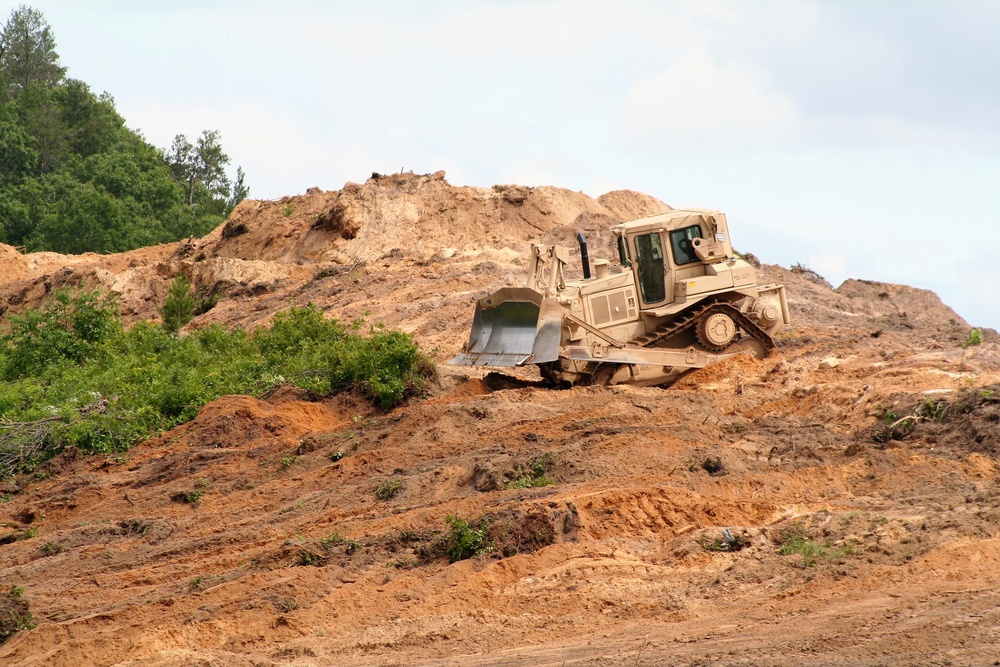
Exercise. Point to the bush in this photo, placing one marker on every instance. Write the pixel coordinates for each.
(533, 473)
(975, 338)
(385, 365)
(179, 306)
(388, 489)
(464, 541)
(69, 328)
(74, 376)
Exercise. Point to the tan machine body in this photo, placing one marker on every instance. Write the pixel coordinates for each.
(676, 298)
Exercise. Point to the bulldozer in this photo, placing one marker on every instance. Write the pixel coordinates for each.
(677, 297)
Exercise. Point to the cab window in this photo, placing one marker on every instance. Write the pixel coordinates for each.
(680, 242)
(649, 263)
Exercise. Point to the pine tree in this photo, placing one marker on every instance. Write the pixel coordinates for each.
(28, 51)
(178, 307)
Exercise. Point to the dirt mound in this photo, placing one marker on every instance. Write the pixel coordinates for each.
(416, 215)
(865, 304)
(630, 205)
(605, 525)
(899, 306)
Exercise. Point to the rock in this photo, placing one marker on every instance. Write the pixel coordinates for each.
(486, 478)
(829, 362)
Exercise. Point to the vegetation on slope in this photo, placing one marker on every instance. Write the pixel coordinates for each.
(72, 375)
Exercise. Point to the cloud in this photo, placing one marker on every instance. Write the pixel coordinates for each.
(697, 102)
(845, 135)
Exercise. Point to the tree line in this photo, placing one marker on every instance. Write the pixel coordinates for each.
(74, 178)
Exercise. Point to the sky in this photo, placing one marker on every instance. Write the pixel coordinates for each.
(859, 139)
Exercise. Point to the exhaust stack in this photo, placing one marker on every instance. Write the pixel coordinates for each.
(584, 257)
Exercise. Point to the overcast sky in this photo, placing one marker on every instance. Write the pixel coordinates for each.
(860, 139)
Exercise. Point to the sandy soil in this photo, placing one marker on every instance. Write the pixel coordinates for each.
(254, 535)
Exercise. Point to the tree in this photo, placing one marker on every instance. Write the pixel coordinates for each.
(92, 124)
(74, 178)
(180, 159)
(179, 306)
(41, 118)
(200, 167)
(28, 51)
(18, 157)
(239, 192)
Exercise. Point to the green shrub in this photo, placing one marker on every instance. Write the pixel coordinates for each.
(307, 557)
(330, 541)
(386, 366)
(388, 489)
(179, 306)
(975, 338)
(463, 541)
(69, 328)
(932, 410)
(74, 376)
(50, 549)
(533, 473)
(189, 497)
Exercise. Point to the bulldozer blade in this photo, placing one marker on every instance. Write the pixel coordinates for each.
(513, 333)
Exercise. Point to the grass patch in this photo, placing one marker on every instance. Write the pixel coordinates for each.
(532, 473)
(388, 489)
(795, 542)
(189, 497)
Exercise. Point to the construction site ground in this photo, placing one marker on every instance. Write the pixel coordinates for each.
(757, 512)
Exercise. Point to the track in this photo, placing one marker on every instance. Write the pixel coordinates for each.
(691, 319)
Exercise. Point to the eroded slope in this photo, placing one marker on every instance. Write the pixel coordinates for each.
(261, 532)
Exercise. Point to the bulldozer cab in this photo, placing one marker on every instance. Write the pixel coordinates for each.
(671, 246)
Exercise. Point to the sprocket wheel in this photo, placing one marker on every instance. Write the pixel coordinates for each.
(716, 331)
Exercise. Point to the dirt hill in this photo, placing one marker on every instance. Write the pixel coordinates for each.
(771, 512)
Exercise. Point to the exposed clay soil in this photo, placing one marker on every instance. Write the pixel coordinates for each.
(254, 535)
